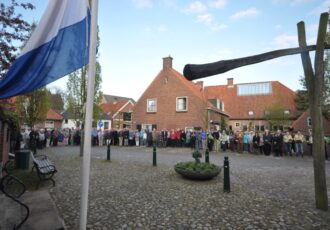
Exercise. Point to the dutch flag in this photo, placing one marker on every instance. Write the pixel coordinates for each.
(58, 46)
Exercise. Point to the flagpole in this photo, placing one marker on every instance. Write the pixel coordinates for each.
(88, 117)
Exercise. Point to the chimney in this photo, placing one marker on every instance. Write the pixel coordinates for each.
(200, 84)
(230, 82)
(167, 62)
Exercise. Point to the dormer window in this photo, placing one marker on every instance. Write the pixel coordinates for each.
(250, 113)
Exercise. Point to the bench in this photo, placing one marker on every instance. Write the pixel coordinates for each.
(45, 168)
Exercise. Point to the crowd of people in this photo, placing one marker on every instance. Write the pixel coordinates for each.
(278, 143)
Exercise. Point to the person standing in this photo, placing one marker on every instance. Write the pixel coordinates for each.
(210, 141)
(299, 139)
(239, 139)
(224, 140)
(256, 142)
(267, 142)
(277, 143)
(120, 137)
(204, 141)
(137, 138)
(154, 135)
(261, 143)
(246, 142)
(34, 139)
(310, 142)
(100, 137)
(251, 134)
(216, 137)
(287, 139)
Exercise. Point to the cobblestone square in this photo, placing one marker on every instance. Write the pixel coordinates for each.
(130, 193)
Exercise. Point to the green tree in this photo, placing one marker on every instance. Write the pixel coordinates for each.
(76, 95)
(13, 31)
(32, 107)
(55, 97)
(277, 116)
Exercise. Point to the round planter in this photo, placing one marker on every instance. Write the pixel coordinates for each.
(197, 171)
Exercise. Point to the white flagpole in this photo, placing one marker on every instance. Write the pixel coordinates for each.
(88, 117)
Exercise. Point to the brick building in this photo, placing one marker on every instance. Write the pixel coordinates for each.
(119, 109)
(53, 121)
(172, 102)
(256, 106)
(304, 123)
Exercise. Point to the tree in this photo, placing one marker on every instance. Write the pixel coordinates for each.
(276, 115)
(32, 108)
(77, 94)
(13, 30)
(302, 100)
(315, 86)
(55, 97)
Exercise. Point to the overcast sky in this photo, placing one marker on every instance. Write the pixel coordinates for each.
(136, 34)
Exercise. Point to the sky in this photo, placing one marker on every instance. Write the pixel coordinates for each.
(136, 35)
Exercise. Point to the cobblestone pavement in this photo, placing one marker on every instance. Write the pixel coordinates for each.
(130, 193)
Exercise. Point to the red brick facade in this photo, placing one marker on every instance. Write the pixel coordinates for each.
(249, 110)
(166, 90)
(53, 121)
(117, 110)
(303, 124)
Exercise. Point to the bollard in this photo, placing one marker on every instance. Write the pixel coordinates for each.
(226, 179)
(154, 159)
(207, 156)
(108, 149)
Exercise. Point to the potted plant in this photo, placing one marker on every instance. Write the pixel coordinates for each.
(197, 170)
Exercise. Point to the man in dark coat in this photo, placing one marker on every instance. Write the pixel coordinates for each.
(267, 142)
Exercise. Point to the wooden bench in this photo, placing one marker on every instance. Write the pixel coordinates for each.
(45, 168)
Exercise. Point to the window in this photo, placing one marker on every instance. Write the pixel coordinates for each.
(66, 121)
(49, 124)
(309, 121)
(267, 113)
(106, 125)
(181, 104)
(254, 89)
(286, 112)
(237, 124)
(152, 105)
(127, 116)
(250, 113)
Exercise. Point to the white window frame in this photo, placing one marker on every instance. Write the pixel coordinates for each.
(309, 121)
(177, 104)
(148, 108)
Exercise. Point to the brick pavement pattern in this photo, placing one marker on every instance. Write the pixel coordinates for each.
(130, 193)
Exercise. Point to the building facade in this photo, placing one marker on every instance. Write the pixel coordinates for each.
(120, 110)
(172, 102)
(256, 106)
